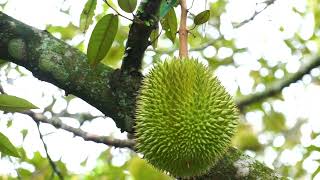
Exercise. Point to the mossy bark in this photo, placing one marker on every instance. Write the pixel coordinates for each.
(54, 61)
(236, 165)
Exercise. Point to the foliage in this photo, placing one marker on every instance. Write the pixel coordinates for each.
(14, 104)
(202, 17)
(170, 25)
(128, 5)
(6, 147)
(86, 18)
(166, 6)
(102, 38)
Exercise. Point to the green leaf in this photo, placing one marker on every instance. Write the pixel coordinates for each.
(170, 25)
(102, 38)
(67, 32)
(24, 133)
(128, 5)
(14, 104)
(202, 17)
(24, 173)
(86, 17)
(166, 5)
(6, 146)
(84, 163)
(154, 38)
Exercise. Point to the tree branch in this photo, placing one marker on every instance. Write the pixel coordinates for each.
(236, 165)
(52, 164)
(115, 10)
(38, 117)
(145, 21)
(183, 31)
(52, 60)
(256, 13)
(125, 83)
(278, 87)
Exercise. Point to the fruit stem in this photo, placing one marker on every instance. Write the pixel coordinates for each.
(183, 31)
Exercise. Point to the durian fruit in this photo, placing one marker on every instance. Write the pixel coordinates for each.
(184, 119)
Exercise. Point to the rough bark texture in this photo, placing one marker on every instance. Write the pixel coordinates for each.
(125, 82)
(146, 20)
(111, 91)
(54, 61)
(236, 165)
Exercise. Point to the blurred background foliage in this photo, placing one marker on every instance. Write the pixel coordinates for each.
(270, 131)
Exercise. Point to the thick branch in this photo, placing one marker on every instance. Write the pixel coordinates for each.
(38, 117)
(126, 82)
(236, 165)
(278, 87)
(145, 21)
(54, 61)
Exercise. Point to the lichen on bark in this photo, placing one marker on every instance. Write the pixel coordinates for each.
(54, 61)
(236, 165)
(17, 48)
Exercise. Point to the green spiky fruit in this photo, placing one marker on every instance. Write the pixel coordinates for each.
(185, 118)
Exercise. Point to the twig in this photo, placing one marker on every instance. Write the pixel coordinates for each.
(52, 164)
(190, 6)
(155, 39)
(256, 13)
(81, 117)
(106, 1)
(78, 132)
(146, 18)
(183, 31)
(277, 88)
(194, 26)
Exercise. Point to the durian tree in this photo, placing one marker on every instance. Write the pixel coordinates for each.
(177, 115)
